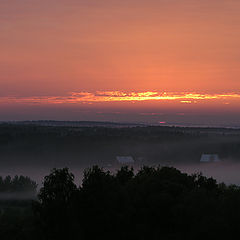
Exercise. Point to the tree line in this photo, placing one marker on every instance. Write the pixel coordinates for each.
(154, 203)
(151, 203)
(17, 184)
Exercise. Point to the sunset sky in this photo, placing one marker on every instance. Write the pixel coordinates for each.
(156, 61)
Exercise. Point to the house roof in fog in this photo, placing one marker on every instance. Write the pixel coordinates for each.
(209, 158)
(125, 159)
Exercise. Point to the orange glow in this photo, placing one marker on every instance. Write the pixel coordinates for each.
(141, 55)
(49, 48)
(118, 96)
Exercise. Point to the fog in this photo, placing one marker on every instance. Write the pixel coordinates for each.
(38, 173)
(227, 171)
(33, 150)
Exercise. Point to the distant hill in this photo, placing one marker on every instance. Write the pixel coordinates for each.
(75, 123)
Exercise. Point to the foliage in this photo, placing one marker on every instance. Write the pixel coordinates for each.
(154, 203)
(17, 184)
(53, 209)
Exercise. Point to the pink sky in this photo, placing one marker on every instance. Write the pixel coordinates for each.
(51, 49)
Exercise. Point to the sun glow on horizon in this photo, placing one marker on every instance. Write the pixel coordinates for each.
(120, 96)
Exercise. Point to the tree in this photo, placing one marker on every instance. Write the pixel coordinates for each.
(124, 175)
(155, 203)
(54, 205)
(58, 187)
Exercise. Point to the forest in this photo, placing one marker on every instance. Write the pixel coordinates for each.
(151, 203)
(60, 146)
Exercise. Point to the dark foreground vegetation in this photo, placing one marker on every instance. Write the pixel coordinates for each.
(154, 203)
(18, 184)
(16, 213)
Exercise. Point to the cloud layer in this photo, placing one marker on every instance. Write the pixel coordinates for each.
(120, 96)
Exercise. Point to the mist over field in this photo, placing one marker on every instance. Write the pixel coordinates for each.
(70, 180)
(34, 149)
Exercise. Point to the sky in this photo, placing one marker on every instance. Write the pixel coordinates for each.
(157, 61)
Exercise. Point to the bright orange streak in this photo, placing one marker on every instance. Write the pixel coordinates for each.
(118, 96)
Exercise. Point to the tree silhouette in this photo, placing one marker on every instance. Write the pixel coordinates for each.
(154, 203)
(18, 184)
(54, 206)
